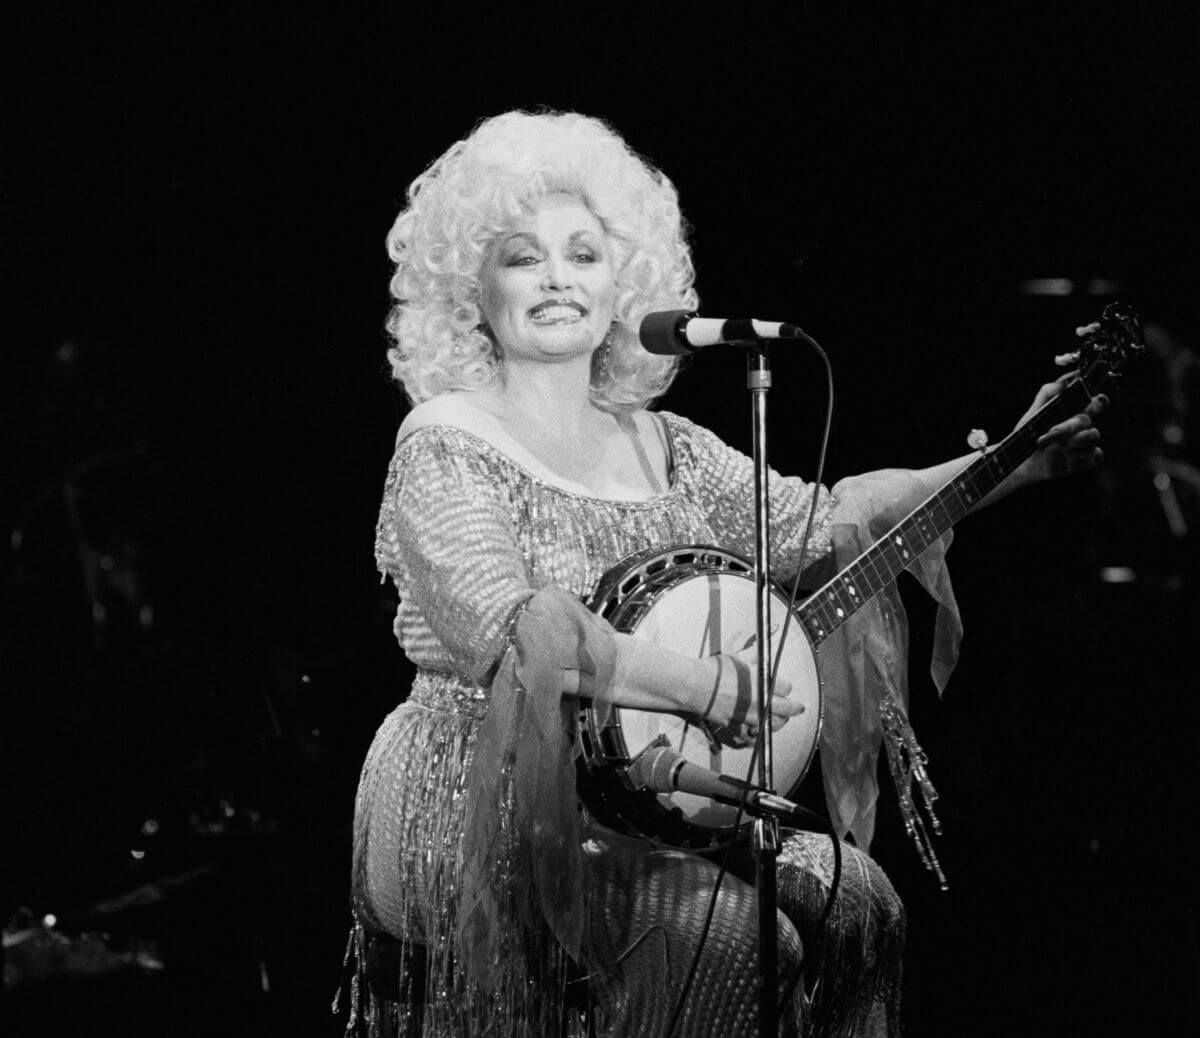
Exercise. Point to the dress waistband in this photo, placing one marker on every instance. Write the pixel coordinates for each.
(449, 694)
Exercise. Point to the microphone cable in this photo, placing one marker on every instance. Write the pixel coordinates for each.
(772, 672)
(822, 933)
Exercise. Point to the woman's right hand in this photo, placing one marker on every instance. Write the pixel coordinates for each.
(733, 698)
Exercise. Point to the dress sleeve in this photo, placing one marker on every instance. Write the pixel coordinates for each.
(724, 488)
(446, 538)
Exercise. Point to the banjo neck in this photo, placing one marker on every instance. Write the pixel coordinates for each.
(836, 601)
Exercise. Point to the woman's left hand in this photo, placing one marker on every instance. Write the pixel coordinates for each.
(1070, 446)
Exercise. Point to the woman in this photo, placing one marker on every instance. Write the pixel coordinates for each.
(525, 260)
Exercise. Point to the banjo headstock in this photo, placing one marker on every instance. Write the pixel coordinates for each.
(1111, 347)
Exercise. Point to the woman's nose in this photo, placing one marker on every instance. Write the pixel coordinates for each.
(558, 274)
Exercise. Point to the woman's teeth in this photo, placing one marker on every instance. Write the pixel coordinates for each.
(556, 314)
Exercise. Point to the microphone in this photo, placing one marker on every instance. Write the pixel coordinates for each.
(668, 332)
(661, 770)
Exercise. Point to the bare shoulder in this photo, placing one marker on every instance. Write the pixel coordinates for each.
(455, 409)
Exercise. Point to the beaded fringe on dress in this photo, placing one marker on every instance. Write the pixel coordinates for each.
(528, 973)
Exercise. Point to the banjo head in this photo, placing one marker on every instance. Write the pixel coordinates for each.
(697, 601)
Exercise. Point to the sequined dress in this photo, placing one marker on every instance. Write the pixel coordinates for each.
(468, 535)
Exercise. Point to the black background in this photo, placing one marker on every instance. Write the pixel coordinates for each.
(194, 205)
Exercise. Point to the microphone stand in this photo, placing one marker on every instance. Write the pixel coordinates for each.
(766, 828)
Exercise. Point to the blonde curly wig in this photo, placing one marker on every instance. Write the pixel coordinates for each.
(458, 206)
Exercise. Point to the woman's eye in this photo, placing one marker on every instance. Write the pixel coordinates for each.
(586, 256)
(523, 260)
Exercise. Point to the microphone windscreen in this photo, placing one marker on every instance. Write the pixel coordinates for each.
(662, 762)
(659, 332)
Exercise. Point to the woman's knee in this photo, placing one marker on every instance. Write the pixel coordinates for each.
(672, 890)
(870, 886)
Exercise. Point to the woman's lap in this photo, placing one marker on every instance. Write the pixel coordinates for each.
(647, 910)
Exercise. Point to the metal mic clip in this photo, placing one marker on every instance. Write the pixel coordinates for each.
(776, 805)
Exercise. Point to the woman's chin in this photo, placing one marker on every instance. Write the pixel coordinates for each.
(558, 344)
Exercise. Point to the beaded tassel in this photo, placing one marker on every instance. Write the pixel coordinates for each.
(354, 965)
(907, 762)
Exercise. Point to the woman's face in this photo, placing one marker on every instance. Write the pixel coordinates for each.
(547, 287)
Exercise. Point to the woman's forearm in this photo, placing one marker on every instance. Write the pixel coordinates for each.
(938, 475)
(718, 688)
(894, 493)
(650, 677)
(1070, 446)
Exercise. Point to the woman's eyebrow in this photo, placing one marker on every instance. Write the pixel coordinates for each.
(527, 236)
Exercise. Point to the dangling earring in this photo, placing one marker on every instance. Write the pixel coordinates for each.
(497, 352)
(605, 351)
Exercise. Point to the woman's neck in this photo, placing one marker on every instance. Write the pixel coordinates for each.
(548, 396)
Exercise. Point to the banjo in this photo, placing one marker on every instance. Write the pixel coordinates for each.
(699, 600)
